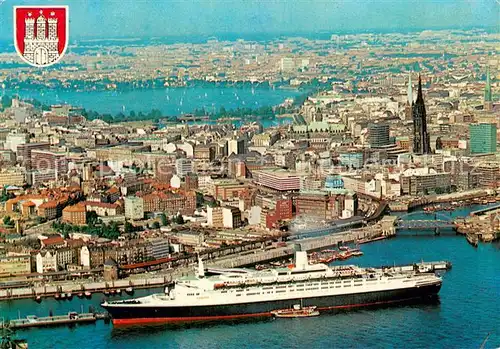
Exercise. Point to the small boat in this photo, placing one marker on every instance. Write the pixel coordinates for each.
(106, 292)
(38, 299)
(69, 295)
(63, 295)
(344, 248)
(118, 291)
(344, 255)
(88, 294)
(81, 295)
(57, 296)
(472, 239)
(296, 311)
(129, 290)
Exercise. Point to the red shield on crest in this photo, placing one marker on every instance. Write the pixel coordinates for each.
(41, 33)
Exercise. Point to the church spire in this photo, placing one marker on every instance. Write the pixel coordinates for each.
(421, 139)
(410, 90)
(420, 97)
(487, 88)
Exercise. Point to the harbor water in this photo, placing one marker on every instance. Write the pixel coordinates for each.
(466, 312)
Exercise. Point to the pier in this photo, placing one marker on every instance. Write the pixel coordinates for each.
(58, 320)
(75, 288)
(484, 210)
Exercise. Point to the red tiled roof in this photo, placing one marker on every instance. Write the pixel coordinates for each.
(56, 240)
(75, 242)
(48, 204)
(99, 204)
(147, 264)
(75, 208)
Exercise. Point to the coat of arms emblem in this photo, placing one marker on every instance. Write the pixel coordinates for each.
(41, 33)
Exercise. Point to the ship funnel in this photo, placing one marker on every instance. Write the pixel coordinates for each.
(201, 268)
(301, 260)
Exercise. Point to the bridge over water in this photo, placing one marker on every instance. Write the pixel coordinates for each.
(415, 222)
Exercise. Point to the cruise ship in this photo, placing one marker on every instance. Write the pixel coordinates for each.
(242, 293)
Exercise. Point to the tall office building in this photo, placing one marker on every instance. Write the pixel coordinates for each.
(483, 138)
(287, 64)
(421, 139)
(183, 166)
(378, 135)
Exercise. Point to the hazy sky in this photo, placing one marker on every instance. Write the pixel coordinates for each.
(148, 18)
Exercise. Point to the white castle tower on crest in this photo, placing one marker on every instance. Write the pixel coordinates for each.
(41, 49)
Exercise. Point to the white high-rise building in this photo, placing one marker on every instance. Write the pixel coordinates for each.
(183, 167)
(134, 207)
(287, 64)
(236, 146)
(13, 140)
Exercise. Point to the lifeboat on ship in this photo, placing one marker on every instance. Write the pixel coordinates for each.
(284, 279)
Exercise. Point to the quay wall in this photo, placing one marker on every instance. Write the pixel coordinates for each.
(75, 287)
(305, 245)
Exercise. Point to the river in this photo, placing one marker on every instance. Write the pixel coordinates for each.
(466, 312)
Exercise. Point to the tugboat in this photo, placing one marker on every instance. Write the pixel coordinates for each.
(296, 311)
